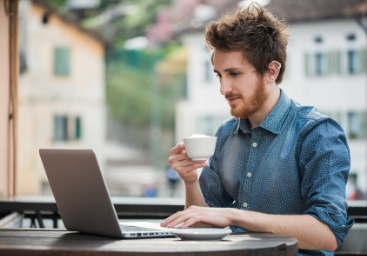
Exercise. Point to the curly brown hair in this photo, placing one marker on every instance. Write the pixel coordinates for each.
(256, 32)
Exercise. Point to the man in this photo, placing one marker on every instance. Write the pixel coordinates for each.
(278, 167)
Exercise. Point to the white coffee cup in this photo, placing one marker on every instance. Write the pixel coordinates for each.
(200, 147)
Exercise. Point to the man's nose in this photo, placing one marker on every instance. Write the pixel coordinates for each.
(225, 86)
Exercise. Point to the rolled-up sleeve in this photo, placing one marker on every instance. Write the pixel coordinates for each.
(324, 166)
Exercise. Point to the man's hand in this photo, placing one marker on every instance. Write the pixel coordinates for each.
(184, 166)
(310, 232)
(218, 217)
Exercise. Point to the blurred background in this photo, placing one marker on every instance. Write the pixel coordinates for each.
(130, 79)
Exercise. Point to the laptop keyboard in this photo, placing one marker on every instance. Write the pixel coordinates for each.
(135, 228)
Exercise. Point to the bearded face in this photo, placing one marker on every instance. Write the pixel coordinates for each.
(243, 108)
(244, 89)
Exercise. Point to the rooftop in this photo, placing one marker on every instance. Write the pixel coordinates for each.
(193, 15)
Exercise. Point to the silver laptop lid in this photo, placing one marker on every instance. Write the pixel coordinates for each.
(80, 191)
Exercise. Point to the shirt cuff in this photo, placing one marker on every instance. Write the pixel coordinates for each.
(340, 230)
(237, 229)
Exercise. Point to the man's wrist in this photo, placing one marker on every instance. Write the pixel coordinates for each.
(234, 216)
(191, 184)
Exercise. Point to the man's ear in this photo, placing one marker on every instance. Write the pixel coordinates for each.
(273, 71)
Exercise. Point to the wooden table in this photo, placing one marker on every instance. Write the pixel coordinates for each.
(59, 242)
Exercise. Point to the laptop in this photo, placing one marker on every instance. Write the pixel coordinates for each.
(83, 199)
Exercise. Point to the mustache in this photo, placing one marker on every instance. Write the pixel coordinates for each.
(232, 95)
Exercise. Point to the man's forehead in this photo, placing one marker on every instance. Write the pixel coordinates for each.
(228, 59)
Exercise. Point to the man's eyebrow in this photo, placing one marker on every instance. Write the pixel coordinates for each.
(227, 70)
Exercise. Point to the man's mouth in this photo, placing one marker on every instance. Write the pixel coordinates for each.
(232, 98)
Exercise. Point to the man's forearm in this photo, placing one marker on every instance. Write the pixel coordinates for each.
(194, 195)
(310, 232)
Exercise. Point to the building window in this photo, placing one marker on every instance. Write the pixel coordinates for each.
(353, 61)
(60, 128)
(357, 125)
(45, 18)
(62, 61)
(316, 64)
(335, 62)
(318, 39)
(67, 128)
(351, 37)
(208, 71)
(356, 61)
(320, 64)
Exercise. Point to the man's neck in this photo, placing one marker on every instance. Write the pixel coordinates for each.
(257, 118)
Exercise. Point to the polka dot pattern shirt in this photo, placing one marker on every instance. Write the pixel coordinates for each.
(296, 161)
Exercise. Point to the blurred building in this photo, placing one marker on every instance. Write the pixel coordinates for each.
(61, 90)
(326, 65)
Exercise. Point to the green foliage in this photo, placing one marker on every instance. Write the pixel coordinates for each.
(128, 95)
(58, 4)
(136, 59)
(146, 12)
(136, 23)
(138, 97)
(131, 24)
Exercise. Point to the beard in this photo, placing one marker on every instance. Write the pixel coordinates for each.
(246, 108)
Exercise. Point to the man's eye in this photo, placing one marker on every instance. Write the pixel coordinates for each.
(218, 75)
(234, 74)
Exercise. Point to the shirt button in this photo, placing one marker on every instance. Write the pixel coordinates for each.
(249, 174)
(254, 144)
(245, 205)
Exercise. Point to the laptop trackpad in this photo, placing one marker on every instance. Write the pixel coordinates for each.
(152, 224)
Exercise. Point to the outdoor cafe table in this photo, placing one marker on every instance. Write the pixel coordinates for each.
(60, 242)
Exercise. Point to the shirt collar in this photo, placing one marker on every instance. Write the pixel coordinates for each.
(274, 121)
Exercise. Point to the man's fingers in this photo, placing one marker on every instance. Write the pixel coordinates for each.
(178, 218)
(170, 219)
(177, 157)
(190, 163)
(177, 149)
(186, 218)
(184, 166)
(189, 222)
(200, 165)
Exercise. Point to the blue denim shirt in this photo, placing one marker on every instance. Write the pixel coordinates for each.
(296, 161)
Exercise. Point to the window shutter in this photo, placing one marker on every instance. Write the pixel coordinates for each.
(338, 62)
(362, 58)
(208, 71)
(362, 127)
(78, 128)
(62, 61)
(334, 62)
(307, 64)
